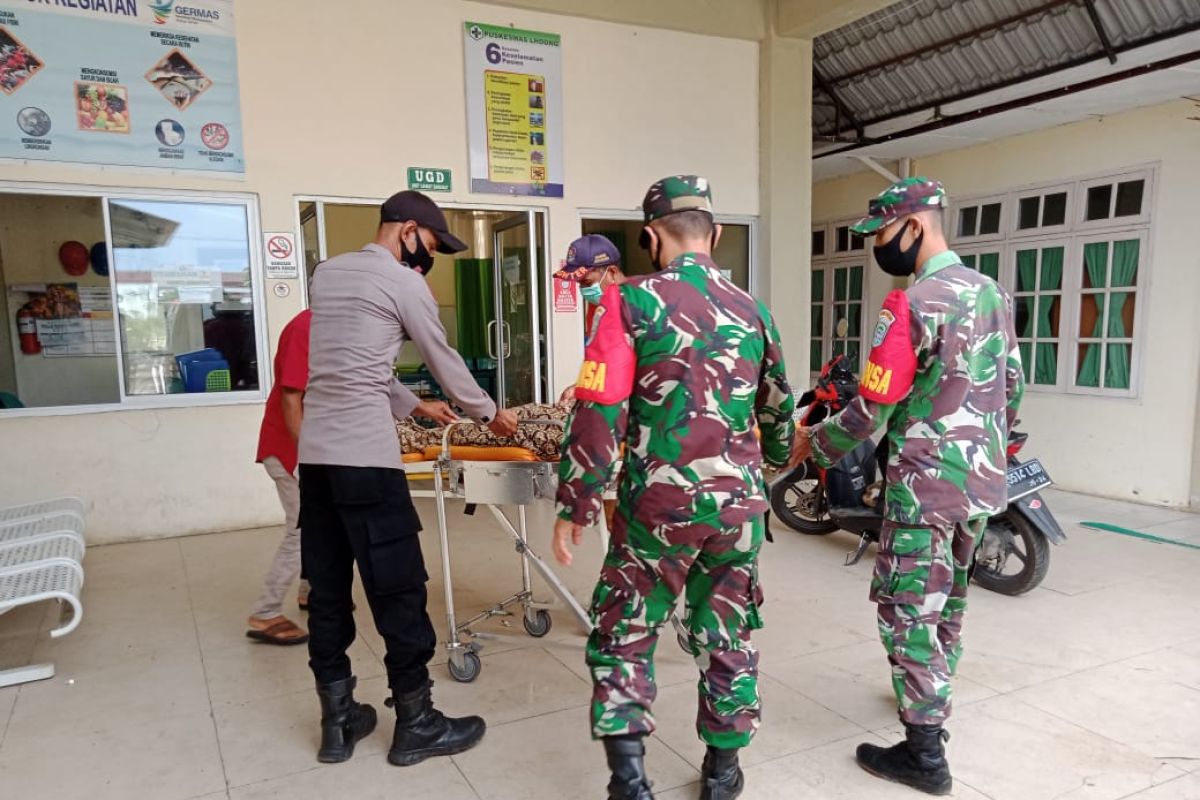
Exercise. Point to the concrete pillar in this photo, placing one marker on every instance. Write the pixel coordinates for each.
(785, 169)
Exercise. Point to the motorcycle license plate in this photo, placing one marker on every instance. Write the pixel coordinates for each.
(1026, 478)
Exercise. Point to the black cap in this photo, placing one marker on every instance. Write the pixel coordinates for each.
(410, 205)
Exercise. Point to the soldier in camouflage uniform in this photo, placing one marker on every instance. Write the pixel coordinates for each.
(682, 367)
(945, 376)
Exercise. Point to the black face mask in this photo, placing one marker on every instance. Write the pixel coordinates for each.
(420, 259)
(893, 260)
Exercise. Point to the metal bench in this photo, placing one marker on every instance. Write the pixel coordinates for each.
(44, 508)
(41, 558)
(59, 522)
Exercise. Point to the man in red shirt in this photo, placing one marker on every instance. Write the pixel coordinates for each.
(277, 442)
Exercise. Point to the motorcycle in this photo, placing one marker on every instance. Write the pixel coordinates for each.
(1014, 554)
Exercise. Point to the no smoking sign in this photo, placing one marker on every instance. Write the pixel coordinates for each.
(280, 250)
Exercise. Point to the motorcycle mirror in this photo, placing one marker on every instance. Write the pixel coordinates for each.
(843, 328)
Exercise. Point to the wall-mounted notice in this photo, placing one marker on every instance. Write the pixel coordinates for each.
(514, 110)
(136, 83)
(282, 260)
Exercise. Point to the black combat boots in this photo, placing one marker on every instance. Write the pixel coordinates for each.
(919, 761)
(720, 777)
(424, 732)
(343, 721)
(627, 762)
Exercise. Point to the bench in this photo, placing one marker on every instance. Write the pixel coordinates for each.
(41, 558)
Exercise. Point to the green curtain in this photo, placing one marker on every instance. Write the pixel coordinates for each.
(1045, 365)
(476, 306)
(969, 260)
(1095, 261)
(989, 264)
(1027, 274)
(856, 278)
(1124, 273)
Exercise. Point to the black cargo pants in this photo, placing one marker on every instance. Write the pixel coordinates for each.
(364, 515)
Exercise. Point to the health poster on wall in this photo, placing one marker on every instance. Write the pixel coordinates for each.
(135, 83)
(514, 110)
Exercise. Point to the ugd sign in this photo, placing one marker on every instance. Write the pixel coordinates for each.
(428, 179)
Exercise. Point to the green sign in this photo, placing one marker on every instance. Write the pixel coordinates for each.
(428, 179)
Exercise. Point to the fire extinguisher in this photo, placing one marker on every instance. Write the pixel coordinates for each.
(27, 328)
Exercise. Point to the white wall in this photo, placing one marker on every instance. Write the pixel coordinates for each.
(639, 104)
(1141, 448)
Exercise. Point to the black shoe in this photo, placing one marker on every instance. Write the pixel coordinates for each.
(627, 762)
(721, 778)
(343, 721)
(424, 732)
(919, 761)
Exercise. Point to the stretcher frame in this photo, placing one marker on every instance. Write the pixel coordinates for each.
(494, 484)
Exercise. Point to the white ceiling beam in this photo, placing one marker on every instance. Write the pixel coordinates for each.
(875, 166)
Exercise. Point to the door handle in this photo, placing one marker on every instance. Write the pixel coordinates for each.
(491, 350)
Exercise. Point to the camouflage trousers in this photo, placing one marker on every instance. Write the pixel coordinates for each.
(920, 588)
(644, 572)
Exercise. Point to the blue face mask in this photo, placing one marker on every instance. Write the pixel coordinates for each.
(592, 294)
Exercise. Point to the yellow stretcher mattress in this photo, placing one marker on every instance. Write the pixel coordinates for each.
(462, 452)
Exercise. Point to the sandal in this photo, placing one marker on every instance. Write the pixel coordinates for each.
(281, 631)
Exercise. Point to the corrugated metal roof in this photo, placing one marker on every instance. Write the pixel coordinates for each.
(930, 52)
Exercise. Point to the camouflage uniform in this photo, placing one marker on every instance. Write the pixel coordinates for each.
(704, 368)
(947, 431)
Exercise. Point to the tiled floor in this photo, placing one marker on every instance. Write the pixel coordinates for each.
(1088, 688)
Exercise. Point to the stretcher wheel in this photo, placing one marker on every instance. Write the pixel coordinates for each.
(539, 626)
(470, 669)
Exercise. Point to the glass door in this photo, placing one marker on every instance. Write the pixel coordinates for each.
(515, 331)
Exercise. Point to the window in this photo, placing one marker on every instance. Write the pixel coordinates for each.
(979, 220)
(1038, 305)
(1039, 211)
(848, 241)
(1073, 257)
(1115, 201)
(847, 305)
(1107, 307)
(816, 346)
(183, 285)
(836, 296)
(110, 300)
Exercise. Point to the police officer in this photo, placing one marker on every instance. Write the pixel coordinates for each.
(681, 366)
(944, 376)
(355, 506)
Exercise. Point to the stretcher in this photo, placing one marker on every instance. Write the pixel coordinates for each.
(456, 473)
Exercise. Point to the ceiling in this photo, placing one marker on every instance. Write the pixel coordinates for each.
(925, 76)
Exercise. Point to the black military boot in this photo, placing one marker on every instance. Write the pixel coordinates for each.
(627, 762)
(721, 777)
(424, 732)
(343, 721)
(919, 761)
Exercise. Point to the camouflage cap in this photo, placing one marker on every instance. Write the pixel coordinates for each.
(677, 193)
(900, 199)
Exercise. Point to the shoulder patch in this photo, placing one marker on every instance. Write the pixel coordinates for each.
(608, 360)
(892, 365)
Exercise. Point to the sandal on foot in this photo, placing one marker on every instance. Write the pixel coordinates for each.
(281, 631)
